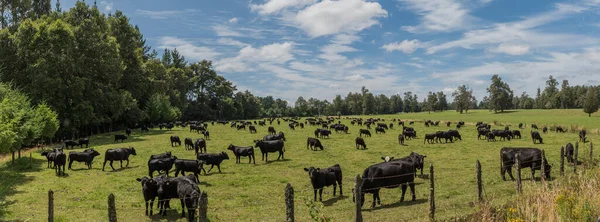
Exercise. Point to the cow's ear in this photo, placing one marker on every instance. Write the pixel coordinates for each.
(139, 179)
(383, 158)
(424, 156)
(306, 169)
(318, 169)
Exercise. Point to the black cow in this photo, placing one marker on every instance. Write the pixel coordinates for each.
(490, 136)
(535, 136)
(200, 144)
(160, 156)
(267, 147)
(534, 126)
(401, 139)
(382, 125)
(439, 135)
(482, 132)
(448, 124)
(128, 132)
(545, 129)
(360, 142)
(430, 138)
(528, 157)
(120, 137)
(145, 129)
(569, 152)
(582, 135)
(212, 159)
(119, 154)
(320, 178)
(206, 134)
(60, 159)
(416, 160)
(314, 143)
(409, 134)
(150, 192)
(242, 126)
(189, 144)
(454, 134)
(175, 140)
(71, 143)
(50, 156)
(386, 175)
(324, 133)
(317, 131)
(280, 136)
(516, 133)
(252, 129)
(379, 130)
(188, 194)
(271, 130)
(168, 188)
(292, 127)
(86, 156)
(365, 131)
(85, 141)
(559, 129)
(194, 166)
(520, 125)
(503, 134)
(163, 164)
(240, 151)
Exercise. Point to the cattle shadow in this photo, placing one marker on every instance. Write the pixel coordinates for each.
(13, 175)
(273, 161)
(172, 214)
(110, 170)
(334, 200)
(213, 173)
(397, 204)
(205, 184)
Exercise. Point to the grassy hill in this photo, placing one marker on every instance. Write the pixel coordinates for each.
(248, 192)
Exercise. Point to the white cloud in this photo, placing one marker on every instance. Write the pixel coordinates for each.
(249, 57)
(275, 6)
(163, 14)
(355, 77)
(417, 65)
(187, 49)
(333, 85)
(511, 49)
(233, 20)
(222, 30)
(405, 46)
(229, 41)
(438, 15)
(330, 17)
(522, 31)
(108, 6)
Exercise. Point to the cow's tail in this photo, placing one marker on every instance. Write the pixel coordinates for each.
(501, 163)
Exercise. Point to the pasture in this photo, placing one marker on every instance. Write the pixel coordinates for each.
(248, 192)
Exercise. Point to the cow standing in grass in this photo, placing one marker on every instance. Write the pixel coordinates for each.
(320, 178)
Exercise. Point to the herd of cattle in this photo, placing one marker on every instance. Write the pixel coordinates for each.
(391, 173)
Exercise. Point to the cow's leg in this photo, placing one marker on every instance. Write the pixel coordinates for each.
(321, 194)
(502, 172)
(146, 208)
(70, 163)
(121, 161)
(182, 207)
(510, 173)
(374, 199)
(219, 167)
(341, 193)
(211, 167)
(412, 191)
(334, 188)
(103, 165)
(151, 206)
(315, 194)
(403, 192)
(111, 165)
(127, 165)
(533, 172)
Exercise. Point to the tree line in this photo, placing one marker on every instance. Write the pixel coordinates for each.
(96, 72)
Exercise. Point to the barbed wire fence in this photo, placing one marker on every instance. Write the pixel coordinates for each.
(201, 211)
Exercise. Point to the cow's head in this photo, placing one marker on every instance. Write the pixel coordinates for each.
(312, 172)
(147, 183)
(224, 155)
(418, 158)
(231, 147)
(161, 183)
(45, 153)
(282, 135)
(387, 158)
(93, 152)
(200, 164)
(547, 168)
(258, 142)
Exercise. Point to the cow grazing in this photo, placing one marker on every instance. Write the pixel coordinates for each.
(271, 130)
(120, 137)
(520, 125)
(119, 154)
(320, 178)
(454, 134)
(212, 159)
(200, 144)
(365, 131)
(71, 143)
(569, 152)
(386, 175)
(360, 142)
(528, 157)
(401, 139)
(241, 126)
(559, 129)
(206, 134)
(535, 136)
(439, 135)
(240, 151)
(85, 141)
(534, 126)
(189, 144)
(160, 156)
(267, 147)
(448, 124)
(490, 137)
(382, 125)
(280, 136)
(193, 166)
(314, 143)
(430, 138)
(516, 133)
(545, 129)
(86, 156)
(379, 130)
(582, 136)
(175, 140)
(163, 164)
(324, 133)
(128, 132)
(292, 127)
(150, 192)
(252, 129)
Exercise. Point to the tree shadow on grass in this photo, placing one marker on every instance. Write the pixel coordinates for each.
(397, 204)
(12, 176)
(507, 112)
(109, 138)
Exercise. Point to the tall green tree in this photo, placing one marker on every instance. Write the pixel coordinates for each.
(442, 101)
(431, 102)
(462, 98)
(591, 102)
(500, 95)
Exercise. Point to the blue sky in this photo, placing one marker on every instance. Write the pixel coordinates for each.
(321, 48)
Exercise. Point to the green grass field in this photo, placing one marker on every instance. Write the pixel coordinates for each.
(247, 192)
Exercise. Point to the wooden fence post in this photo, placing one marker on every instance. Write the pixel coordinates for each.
(575, 161)
(431, 194)
(289, 203)
(562, 161)
(203, 207)
(112, 210)
(518, 164)
(357, 199)
(479, 185)
(543, 167)
(50, 206)
(591, 152)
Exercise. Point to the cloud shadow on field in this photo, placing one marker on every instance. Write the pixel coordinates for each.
(12, 176)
